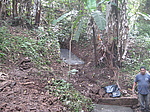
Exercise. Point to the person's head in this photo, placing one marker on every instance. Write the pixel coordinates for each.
(142, 70)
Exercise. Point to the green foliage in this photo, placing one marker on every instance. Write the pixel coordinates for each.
(145, 15)
(139, 52)
(3, 33)
(69, 96)
(37, 49)
(101, 2)
(143, 28)
(71, 13)
(77, 22)
(138, 55)
(90, 5)
(2, 55)
(78, 30)
(99, 19)
(62, 32)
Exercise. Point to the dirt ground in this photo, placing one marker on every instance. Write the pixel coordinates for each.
(91, 78)
(23, 91)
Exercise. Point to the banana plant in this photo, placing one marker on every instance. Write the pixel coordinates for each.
(92, 14)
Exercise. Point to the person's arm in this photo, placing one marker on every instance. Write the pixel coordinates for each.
(133, 87)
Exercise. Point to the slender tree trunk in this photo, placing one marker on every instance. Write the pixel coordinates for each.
(0, 10)
(14, 6)
(28, 8)
(3, 9)
(94, 43)
(37, 4)
(28, 13)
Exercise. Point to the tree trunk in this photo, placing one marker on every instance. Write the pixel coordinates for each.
(3, 9)
(112, 32)
(0, 10)
(94, 43)
(28, 8)
(37, 4)
(14, 6)
(116, 32)
(123, 40)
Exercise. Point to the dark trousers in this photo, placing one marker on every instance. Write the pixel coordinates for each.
(144, 101)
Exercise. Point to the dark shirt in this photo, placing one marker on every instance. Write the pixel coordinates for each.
(143, 83)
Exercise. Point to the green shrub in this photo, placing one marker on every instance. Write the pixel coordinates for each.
(40, 49)
(138, 55)
(69, 96)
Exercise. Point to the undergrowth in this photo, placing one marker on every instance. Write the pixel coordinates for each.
(40, 47)
(72, 99)
(138, 55)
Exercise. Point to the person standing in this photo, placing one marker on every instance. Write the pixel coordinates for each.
(142, 80)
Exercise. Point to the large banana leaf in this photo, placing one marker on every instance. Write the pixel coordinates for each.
(73, 12)
(75, 23)
(78, 30)
(99, 19)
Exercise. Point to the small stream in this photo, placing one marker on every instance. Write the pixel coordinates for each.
(64, 55)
